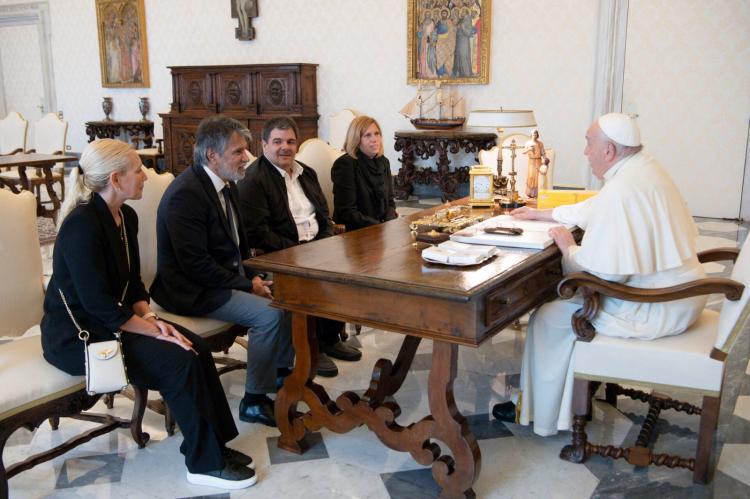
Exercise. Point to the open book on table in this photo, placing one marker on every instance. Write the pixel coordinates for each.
(535, 233)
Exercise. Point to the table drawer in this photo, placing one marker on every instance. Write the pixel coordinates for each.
(514, 299)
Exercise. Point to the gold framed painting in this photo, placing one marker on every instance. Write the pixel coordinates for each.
(448, 41)
(123, 53)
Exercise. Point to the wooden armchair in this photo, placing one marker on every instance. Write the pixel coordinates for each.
(693, 361)
(32, 389)
(218, 334)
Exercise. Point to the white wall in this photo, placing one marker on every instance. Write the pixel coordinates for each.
(687, 75)
(542, 58)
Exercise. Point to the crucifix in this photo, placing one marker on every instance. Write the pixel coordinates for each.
(244, 11)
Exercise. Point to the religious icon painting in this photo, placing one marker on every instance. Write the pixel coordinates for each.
(448, 41)
(123, 53)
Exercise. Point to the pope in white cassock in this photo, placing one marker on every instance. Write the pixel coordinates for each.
(638, 231)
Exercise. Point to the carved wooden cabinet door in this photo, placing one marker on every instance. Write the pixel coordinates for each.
(235, 92)
(278, 92)
(195, 92)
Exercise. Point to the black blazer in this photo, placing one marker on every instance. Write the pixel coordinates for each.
(89, 264)
(197, 259)
(264, 205)
(354, 200)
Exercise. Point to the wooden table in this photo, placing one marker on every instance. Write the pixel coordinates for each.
(424, 145)
(43, 164)
(375, 276)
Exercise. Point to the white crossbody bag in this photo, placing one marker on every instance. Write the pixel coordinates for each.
(105, 363)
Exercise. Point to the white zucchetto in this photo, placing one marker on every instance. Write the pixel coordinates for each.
(621, 128)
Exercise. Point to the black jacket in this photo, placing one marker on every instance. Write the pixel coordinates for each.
(354, 201)
(197, 259)
(264, 206)
(90, 265)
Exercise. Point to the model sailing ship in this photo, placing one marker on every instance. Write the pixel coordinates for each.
(432, 109)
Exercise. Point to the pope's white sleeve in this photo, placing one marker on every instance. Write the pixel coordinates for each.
(573, 214)
(570, 265)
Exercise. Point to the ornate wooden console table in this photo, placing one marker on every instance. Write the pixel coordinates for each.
(375, 276)
(111, 129)
(424, 145)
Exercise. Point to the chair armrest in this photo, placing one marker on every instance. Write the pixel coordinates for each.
(29, 151)
(592, 288)
(718, 254)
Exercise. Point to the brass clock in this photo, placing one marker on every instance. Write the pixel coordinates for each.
(481, 191)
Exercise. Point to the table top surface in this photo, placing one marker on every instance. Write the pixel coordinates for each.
(446, 134)
(384, 256)
(33, 159)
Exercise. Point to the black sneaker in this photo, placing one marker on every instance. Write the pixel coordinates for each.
(342, 351)
(238, 458)
(230, 478)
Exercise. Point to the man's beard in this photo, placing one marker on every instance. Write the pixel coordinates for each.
(228, 174)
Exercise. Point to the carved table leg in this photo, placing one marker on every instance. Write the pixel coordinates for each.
(48, 182)
(455, 475)
(290, 422)
(388, 377)
(403, 183)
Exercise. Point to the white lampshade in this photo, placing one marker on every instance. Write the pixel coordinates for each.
(502, 118)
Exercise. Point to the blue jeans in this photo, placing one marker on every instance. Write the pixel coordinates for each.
(269, 339)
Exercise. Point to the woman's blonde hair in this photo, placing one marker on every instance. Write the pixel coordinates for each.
(98, 161)
(357, 128)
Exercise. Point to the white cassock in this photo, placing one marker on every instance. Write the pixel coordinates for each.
(638, 232)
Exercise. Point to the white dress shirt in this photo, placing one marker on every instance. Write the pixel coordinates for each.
(301, 208)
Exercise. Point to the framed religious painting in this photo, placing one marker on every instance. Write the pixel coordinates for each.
(448, 41)
(123, 53)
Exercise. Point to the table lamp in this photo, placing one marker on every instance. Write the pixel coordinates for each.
(500, 119)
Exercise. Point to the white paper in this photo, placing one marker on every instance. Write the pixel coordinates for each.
(535, 233)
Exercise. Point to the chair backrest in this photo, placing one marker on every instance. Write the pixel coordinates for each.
(49, 134)
(13, 130)
(320, 156)
(734, 314)
(338, 126)
(146, 208)
(22, 291)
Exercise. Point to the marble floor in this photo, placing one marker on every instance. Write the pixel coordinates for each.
(515, 462)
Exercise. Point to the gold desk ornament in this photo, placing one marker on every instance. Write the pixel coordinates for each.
(441, 224)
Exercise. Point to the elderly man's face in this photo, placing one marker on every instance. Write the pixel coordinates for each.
(598, 151)
(281, 148)
(230, 164)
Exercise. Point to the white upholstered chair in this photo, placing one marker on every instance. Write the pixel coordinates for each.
(319, 156)
(338, 126)
(13, 130)
(692, 362)
(218, 334)
(32, 389)
(489, 158)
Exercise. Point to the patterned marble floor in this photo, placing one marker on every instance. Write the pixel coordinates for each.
(515, 462)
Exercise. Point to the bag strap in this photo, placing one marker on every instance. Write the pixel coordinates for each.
(124, 237)
(83, 335)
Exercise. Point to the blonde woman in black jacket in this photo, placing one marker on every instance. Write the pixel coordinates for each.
(362, 182)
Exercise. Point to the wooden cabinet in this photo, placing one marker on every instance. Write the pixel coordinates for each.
(250, 93)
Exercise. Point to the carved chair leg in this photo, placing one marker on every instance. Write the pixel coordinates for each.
(54, 422)
(109, 400)
(576, 451)
(169, 422)
(709, 420)
(610, 394)
(136, 420)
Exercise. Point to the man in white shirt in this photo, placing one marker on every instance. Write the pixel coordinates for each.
(639, 232)
(282, 205)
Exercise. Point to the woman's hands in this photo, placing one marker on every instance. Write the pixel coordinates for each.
(167, 332)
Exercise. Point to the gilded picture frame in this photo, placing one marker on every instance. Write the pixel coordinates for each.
(455, 49)
(123, 53)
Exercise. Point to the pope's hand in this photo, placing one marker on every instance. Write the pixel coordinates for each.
(562, 236)
(524, 213)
